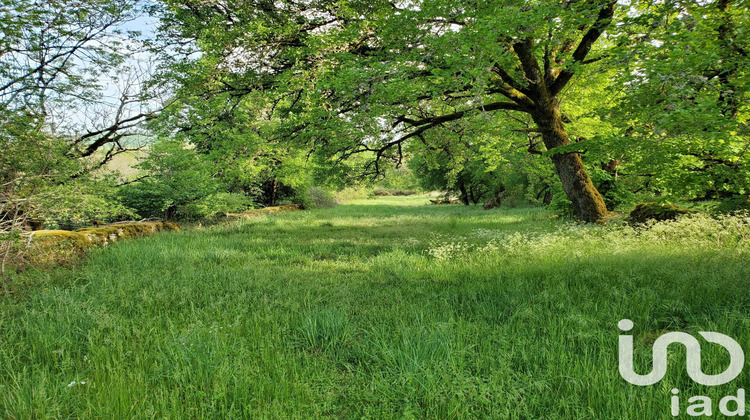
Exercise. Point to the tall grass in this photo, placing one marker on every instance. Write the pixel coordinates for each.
(385, 308)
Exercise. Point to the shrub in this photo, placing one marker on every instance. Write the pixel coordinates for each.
(317, 198)
(180, 184)
(734, 204)
(214, 204)
(69, 205)
(146, 197)
(403, 192)
(351, 193)
(561, 205)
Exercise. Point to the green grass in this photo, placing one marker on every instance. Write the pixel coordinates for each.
(384, 308)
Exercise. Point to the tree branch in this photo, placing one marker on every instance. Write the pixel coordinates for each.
(111, 134)
(579, 55)
(511, 89)
(494, 106)
(530, 66)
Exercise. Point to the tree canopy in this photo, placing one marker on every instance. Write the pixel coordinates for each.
(586, 104)
(380, 77)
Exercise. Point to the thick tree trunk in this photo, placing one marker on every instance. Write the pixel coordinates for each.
(474, 200)
(274, 189)
(464, 194)
(588, 204)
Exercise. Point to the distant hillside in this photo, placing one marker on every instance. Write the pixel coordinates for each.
(125, 165)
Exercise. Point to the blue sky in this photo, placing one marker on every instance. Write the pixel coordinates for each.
(145, 24)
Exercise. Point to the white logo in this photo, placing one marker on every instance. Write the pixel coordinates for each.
(693, 355)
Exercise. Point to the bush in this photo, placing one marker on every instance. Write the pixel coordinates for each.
(561, 205)
(214, 204)
(316, 198)
(351, 193)
(77, 203)
(181, 184)
(149, 199)
(734, 204)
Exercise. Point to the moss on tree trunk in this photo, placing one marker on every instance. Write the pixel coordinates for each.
(588, 204)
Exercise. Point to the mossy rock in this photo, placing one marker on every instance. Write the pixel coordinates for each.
(265, 211)
(654, 211)
(54, 237)
(53, 247)
(111, 233)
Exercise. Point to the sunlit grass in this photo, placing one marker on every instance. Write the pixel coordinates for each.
(387, 308)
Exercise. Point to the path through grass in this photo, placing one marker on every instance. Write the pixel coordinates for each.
(385, 308)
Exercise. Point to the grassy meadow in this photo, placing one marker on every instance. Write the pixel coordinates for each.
(377, 309)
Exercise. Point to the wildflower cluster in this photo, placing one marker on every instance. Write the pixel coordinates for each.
(694, 231)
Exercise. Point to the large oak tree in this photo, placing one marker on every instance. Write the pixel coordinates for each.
(350, 77)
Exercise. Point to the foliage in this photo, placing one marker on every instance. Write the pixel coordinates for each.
(348, 194)
(440, 66)
(316, 198)
(681, 122)
(54, 49)
(181, 184)
(734, 204)
(57, 58)
(401, 178)
(40, 181)
(389, 82)
(76, 204)
(213, 205)
(466, 177)
(54, 55)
